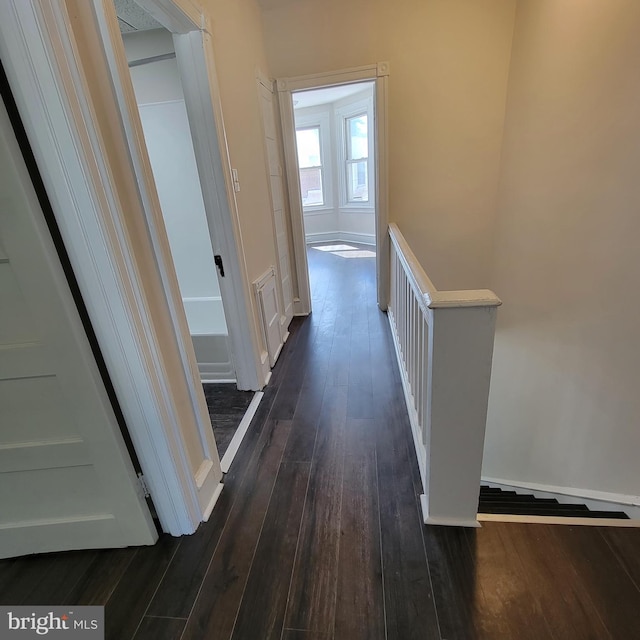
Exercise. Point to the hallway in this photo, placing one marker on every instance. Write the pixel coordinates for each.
(318, 531)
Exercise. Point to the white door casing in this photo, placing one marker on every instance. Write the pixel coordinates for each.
(195, 57)
(380, 74)
(275, 173)
(66, 479)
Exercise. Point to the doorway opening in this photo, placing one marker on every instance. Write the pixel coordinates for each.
(335, 144)
(160, 99)
(359, 182)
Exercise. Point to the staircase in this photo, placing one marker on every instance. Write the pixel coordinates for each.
(500, 501)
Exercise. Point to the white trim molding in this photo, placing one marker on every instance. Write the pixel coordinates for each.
(140, 166)
(195, 56)
(241, 431)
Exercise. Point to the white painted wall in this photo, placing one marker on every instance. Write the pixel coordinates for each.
(565, 406)
(166, 127)
(334, 221)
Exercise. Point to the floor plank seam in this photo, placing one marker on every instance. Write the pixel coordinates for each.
(164, 573)
(253, 556)
(384, 595)
(413, 462)
(536, 598)
(77, 582)
(335, 598)
(295, 555)
(312, 466)
(620, 563)
(593, 605)
(117, 584)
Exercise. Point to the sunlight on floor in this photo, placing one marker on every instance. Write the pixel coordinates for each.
(360, 253)
(332, 247)
(346, 251)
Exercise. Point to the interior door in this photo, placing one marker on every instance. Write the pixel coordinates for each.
(276, 176)
(66, 479)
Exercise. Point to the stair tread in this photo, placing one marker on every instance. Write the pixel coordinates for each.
(616, 515)
(515, 501)
(516, 498)
(505, 508)
(560, 505)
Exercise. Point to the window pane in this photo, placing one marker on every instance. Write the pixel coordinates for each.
(357, 182)
(311, 186)
(308, 147)
(357, 143)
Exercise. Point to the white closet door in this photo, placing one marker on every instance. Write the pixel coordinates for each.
(66, 478)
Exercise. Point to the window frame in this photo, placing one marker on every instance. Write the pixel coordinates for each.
(321, 121)
(342, 116)
(349, 161)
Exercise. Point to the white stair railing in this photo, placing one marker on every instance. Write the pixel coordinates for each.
(444, 346)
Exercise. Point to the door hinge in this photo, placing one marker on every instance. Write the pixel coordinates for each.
(143, 487)
(218, 260)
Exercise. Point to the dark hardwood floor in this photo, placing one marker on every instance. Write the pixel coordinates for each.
(318, 534)
(227, 406)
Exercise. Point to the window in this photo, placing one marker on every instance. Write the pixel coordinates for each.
(310, 166)
(357, 158)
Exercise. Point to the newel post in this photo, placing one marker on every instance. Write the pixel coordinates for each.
(459, 368)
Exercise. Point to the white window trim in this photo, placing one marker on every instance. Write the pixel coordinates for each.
(322, 120)
(341, 114)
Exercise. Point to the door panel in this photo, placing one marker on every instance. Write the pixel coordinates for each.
(66, 479)
(270, 317)
(285, 285)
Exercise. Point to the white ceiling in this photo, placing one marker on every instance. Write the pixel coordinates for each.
(132, 17)
(315, 97)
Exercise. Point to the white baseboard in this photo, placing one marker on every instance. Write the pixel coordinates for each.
(209, 375)
(212, 502)
(449, 522)
(234, 445)
(595, 500)
(266, 369)
(298, 309)
(341, 236)
(213, 357)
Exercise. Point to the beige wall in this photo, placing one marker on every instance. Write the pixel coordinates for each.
(449, 67)
(565, 400)
(239, 49)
